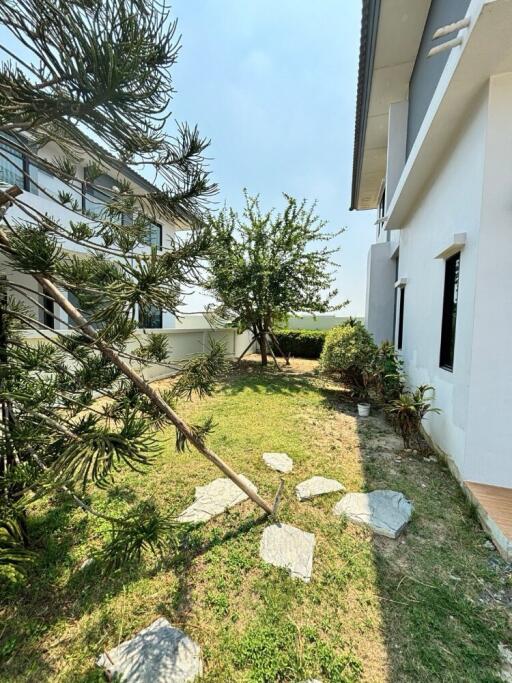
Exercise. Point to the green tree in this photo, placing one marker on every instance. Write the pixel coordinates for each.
(81, 71)
(266, 266)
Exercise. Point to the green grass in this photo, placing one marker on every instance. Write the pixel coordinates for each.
(422, 608)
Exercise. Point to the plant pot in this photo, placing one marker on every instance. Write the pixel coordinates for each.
(363, 409)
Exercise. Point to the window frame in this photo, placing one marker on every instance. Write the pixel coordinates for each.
(381, 210)
(449, 312)
(159, 246)
(143, 320)
(24, 163)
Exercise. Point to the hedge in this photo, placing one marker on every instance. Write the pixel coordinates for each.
(301, 343)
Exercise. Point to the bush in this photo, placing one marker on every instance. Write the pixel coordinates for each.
(388, 373)
(350, 351)
(301, 343)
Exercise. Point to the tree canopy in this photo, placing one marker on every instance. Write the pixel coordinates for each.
(266, 266)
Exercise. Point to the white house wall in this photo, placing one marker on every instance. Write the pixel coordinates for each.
(451, 204)
(41, 203)
(380, 292)
(489, 424)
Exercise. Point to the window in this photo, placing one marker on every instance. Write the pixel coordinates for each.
(47, 313)
(381, 211)
(13, 167)
(401, 294)
(154, 238)
(95, 200)
(450, 298)
(151, 318)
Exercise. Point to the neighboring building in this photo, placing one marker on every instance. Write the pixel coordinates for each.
(433, 156)
(39, 189)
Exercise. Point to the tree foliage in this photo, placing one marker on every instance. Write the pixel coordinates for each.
(266, 265)
(96, 69)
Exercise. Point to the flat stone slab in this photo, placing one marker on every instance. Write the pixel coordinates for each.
(214, 499)
(159, 653)
(386, 512)
(316, 486)
(286, 546)
(281, 462)
(506, 658)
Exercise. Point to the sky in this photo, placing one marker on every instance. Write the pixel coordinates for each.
(272, 83)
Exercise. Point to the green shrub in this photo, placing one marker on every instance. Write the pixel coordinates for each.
(388, 373)
(301, 343)
(350, 351)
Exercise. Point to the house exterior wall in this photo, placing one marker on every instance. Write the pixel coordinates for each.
(41, 203)
(380, 292)
(451, 204)
(427, 70)
(489, 428)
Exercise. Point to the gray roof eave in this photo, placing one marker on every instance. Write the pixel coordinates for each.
(369, 26)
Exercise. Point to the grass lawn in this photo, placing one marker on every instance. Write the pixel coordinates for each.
(431, 606)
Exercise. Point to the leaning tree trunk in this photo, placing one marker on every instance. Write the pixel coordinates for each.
(262, 340)
(153, 395)
(8, 459)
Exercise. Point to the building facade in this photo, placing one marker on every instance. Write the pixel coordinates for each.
(42, 192)
(433, 157)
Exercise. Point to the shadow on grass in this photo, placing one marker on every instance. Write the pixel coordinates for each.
(436, 626)
(53, 590)
(265, 380)
(194, 547)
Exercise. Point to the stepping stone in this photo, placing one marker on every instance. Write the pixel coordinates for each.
(159, 653)
(316, 486)
(214, 499)
(281, 462)
(506, 658)
(386, 512)
(286, 546)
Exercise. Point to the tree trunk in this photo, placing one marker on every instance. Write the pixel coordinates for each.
(13, 490)
(274, 339)
(153, 395)
(263, 346)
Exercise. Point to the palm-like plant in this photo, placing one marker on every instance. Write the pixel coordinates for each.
(407, 412)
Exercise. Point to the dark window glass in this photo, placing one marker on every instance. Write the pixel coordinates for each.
(451, 295)
(48, 310)
(394, 299)
(151, 318)
(401, 294)
(381, 211)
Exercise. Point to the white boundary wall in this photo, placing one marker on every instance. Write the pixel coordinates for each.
(183, 344)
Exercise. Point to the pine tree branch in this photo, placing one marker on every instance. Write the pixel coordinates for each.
(151, 393)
